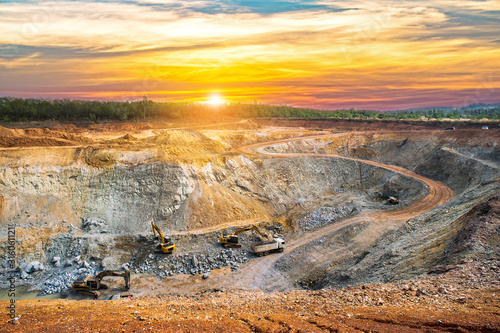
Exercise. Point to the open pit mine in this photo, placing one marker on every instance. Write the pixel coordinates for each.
(250, 226)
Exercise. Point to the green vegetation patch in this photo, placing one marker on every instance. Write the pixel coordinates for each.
(18, 110)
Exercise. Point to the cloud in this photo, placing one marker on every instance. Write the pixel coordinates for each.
(307, 52)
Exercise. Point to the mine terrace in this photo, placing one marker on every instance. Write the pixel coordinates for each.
(383, 226)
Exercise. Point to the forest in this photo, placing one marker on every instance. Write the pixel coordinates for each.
(31, 109)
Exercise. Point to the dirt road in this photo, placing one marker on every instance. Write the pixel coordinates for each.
(379, 221)
(438, 192)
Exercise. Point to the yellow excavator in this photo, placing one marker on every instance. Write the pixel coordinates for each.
(231, 240)
(90, 284)
(166, 245)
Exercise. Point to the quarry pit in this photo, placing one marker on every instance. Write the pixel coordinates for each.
(82, 197)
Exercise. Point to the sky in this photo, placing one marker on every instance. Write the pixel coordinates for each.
(379, 55)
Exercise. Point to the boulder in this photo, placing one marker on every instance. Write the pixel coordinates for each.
(22, 267)
(85, 264)
(392, 201)
(94, 224)
(34, 266)
(56, 261)
(194, 261)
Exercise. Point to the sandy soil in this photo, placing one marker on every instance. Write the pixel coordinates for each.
(443, 303)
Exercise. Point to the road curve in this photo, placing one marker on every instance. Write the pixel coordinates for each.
(270, 279)
(438, 192)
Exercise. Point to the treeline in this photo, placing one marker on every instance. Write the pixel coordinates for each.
(483, 112)
(19, 110)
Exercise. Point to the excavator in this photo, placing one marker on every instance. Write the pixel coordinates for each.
(231, 241)
(90, 284)
(166, 245)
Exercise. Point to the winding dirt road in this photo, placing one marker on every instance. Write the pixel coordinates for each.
(379, 222)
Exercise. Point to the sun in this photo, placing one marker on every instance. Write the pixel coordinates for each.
(215, 100)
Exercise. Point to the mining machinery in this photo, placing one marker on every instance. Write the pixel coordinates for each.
(166, 245)
(90, 284)
(232, 240)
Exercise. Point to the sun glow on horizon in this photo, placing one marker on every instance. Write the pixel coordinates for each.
(215, 100)
(381, 54)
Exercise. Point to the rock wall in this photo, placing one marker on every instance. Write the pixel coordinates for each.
(46, 203)
(124, 198)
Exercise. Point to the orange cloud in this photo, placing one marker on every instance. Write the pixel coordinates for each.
(381, 54)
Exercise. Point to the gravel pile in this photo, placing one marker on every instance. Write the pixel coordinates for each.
(58, 277)
(193, 264)
(158, 264)
(63, 281)
(324, 216)
(61, 278)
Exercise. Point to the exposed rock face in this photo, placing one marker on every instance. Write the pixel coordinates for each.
(118, 198)
(103, 210)
(123, 199)
(480, 236)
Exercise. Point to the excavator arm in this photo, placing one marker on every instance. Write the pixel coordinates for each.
(239, 231)
(125, 274)
(166, 245)
(260, 232)
(231, 241)
(156, 230)
(254, 228)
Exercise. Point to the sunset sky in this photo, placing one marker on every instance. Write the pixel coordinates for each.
(380, 54)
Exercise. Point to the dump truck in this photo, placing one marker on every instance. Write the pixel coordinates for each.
(264, 248)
